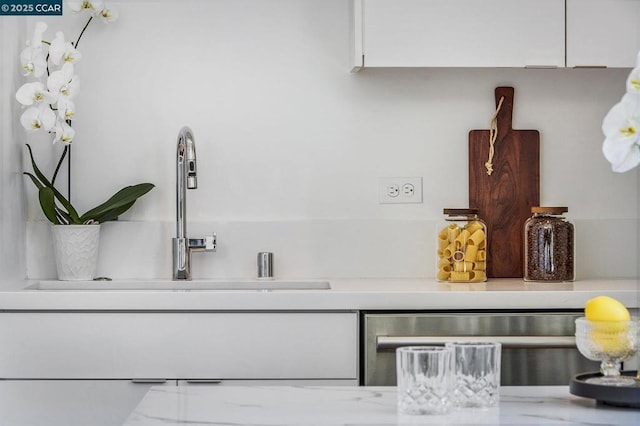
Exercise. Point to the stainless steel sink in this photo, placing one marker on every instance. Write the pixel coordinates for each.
(195, 285)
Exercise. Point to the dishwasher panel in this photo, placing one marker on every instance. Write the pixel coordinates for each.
(538, 348)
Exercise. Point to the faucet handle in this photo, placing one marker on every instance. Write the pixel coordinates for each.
(211, 242)
(208, 243)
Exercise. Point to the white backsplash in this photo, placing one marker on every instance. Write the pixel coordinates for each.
(369, 248)
(290, 144)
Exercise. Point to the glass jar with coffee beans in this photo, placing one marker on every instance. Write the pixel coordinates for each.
(548, 245)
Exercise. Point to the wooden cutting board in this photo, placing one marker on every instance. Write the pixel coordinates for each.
(504, 198)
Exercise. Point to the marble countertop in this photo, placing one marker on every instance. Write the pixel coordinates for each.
(286, 405)
(345, 294)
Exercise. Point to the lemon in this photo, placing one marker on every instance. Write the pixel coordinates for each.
(605, 308)
(609, 324)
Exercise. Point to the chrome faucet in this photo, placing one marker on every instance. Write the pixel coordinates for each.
(186, 178)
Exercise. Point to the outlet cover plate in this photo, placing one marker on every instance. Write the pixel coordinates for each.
(400, 190)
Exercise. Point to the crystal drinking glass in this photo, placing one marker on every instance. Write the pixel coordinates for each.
(609, 342)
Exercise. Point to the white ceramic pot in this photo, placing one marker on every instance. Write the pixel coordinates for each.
(76, 251)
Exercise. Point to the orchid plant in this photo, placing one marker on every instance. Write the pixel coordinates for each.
(49, 105)
(621, 127)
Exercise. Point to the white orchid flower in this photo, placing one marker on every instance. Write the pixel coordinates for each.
(33, 61)
(63, 83)
(33, 58)
(621, 128)
(38, 117)
(66, 108)
(108, 15)
(94, 6)
(34, 93)
(61, 50)
(633, 81)
(64, 133)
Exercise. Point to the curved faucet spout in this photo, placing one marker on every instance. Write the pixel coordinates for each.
(186, 178)
(187, 149)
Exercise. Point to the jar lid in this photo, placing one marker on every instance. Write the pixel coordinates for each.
(549, 210)
(460, 211)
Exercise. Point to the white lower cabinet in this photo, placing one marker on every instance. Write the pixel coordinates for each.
(70, 402)
(230, 346)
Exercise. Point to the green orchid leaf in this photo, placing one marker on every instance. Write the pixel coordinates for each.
(113, 213)
(117, 203)
(65, 218)
(35, 180)
(48, 204)
(72, 213)
(42, 178)
(61, 217)
(59, 210)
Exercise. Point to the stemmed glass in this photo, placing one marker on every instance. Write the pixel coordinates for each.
(610, 342)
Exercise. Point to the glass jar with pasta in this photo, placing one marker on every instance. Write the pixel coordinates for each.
(462, 247)
(548, 245)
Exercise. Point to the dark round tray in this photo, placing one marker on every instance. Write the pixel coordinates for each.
(620, 396)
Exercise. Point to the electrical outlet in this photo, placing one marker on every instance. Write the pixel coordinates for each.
(399, 190)
(408, 190)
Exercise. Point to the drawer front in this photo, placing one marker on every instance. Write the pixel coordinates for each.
(537, 348)
(167, 345)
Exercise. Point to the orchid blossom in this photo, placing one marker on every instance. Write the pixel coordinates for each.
(94, 6)
(33, 61)
(64, 82)
(32, 57)
(61, 50)
(34, 93)
(621, 127)
(633, 82)
(66, 108)
(64, 133)
(108, 15)
(38, 117)
(61, 85)
(49, 104)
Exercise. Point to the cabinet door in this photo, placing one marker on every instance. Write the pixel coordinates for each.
(185, 345)
(462, 33)
(69, 402)
(603, 33)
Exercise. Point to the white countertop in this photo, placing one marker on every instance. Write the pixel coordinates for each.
(286, 405)
(351, 294)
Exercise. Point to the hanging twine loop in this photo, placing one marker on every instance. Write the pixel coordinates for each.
(493, 135)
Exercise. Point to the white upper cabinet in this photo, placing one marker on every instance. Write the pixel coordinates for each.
(458, 33)
(495, 33)
(603, 33)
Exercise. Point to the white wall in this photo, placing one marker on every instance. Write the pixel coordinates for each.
(290, 144)
(12, 222)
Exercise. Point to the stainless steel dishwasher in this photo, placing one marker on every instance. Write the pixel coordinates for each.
(538, 348)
